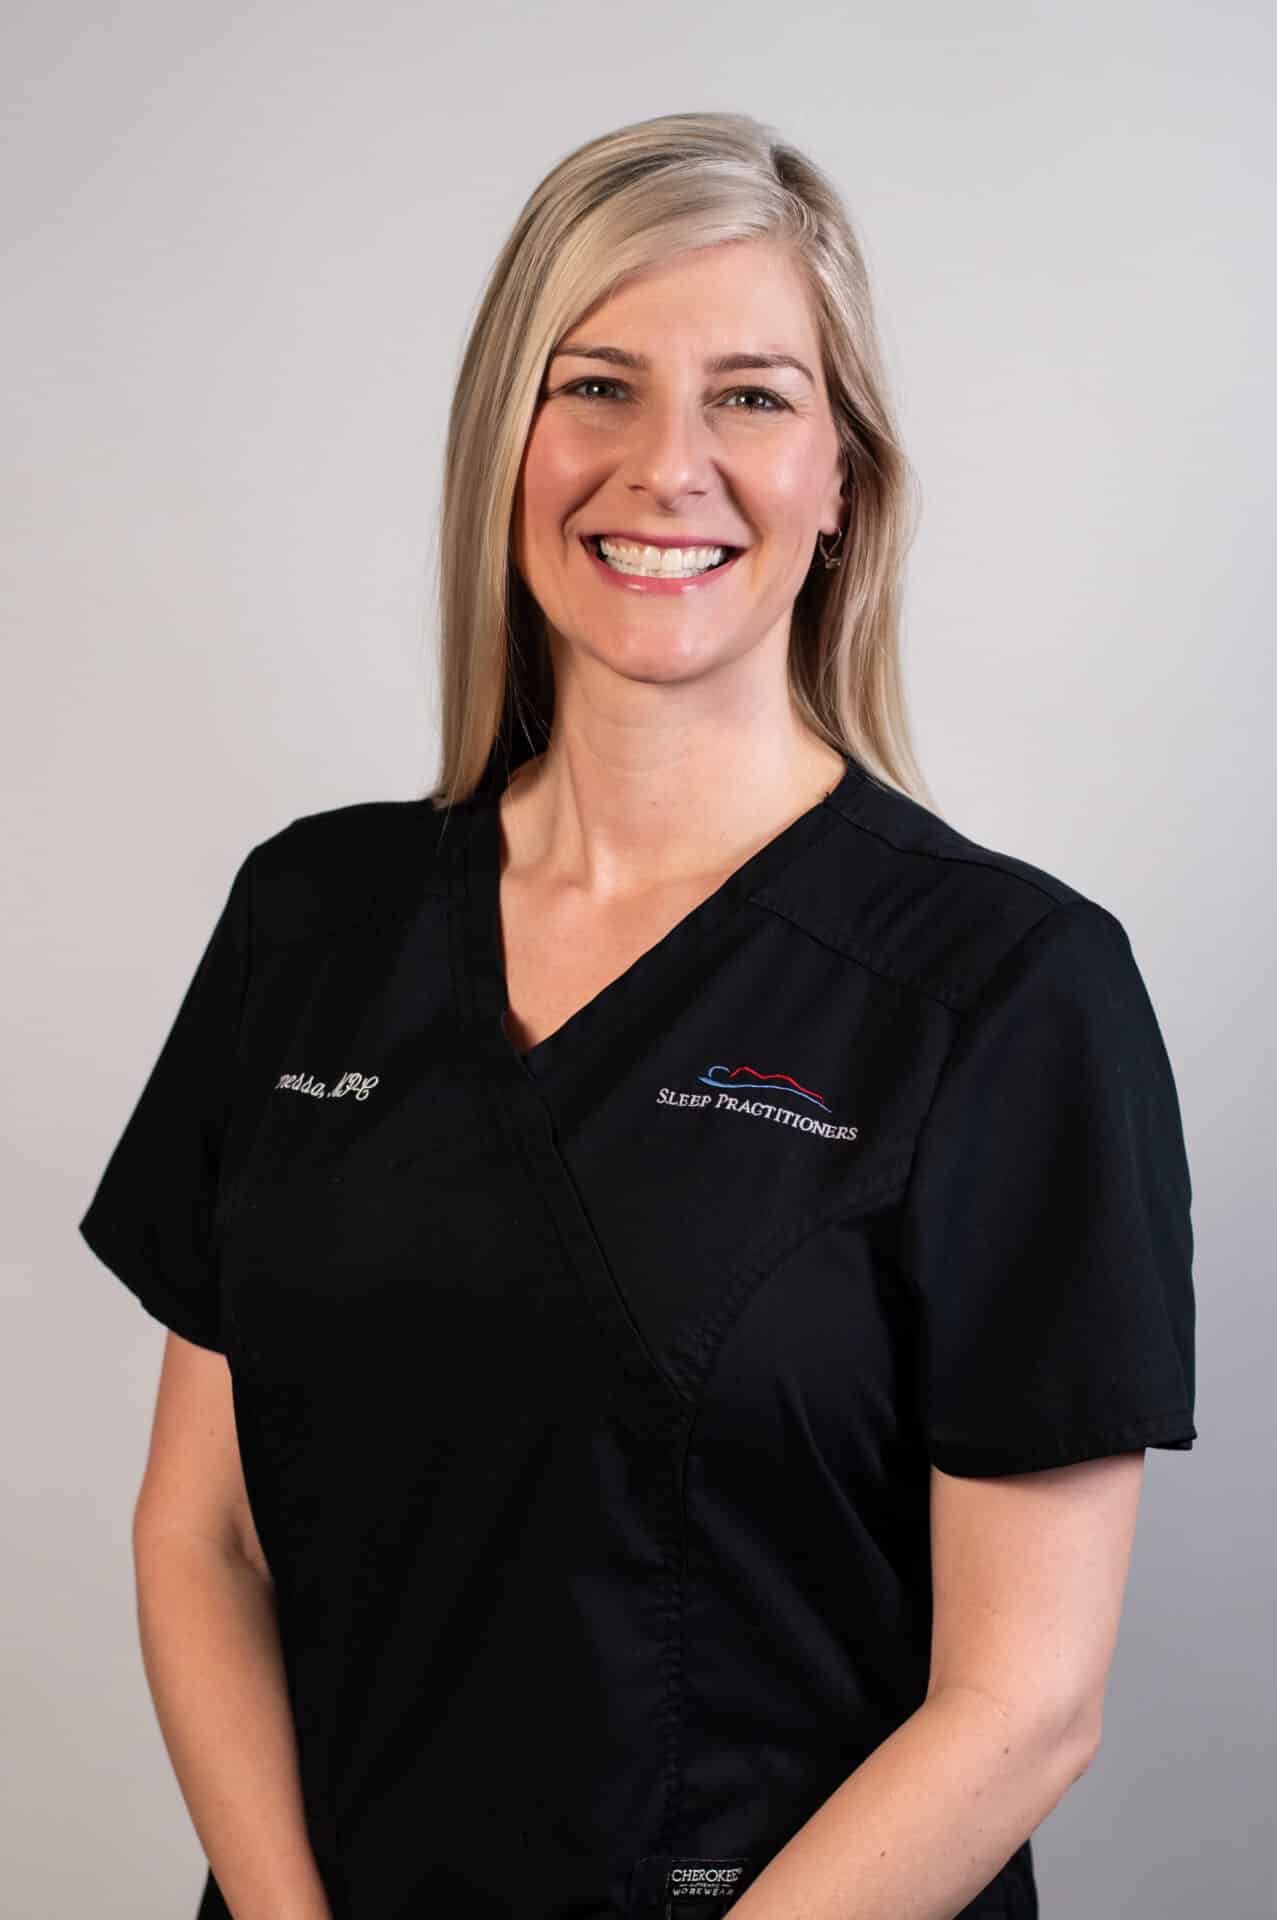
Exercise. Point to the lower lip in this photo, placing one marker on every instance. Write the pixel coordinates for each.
(639, 583)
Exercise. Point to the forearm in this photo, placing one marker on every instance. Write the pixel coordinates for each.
(925, 1822)
(210, 1646)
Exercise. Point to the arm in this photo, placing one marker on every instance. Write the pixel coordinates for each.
(1029, 1571)
(210, 1647)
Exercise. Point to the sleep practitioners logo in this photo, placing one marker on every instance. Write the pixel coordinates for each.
(360, 1084)
(783, 1082)
(736, 1090)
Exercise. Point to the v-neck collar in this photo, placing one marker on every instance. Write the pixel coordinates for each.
(476, 881)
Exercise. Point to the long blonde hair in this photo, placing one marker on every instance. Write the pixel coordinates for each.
(624, 202)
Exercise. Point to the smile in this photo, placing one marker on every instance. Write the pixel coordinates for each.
(647, 569)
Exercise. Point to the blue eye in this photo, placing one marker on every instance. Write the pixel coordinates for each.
(775, 403)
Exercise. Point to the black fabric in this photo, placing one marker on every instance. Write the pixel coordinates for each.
(152, 1219)
(588, 1398)
(1047, 1228)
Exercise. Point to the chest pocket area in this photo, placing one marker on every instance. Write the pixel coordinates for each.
(388, 1228)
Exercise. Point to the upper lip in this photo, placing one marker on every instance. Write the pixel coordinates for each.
(656, 539)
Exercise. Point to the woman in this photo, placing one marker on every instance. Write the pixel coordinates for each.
(672, 1254)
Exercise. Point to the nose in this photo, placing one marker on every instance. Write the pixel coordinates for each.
(668, 450)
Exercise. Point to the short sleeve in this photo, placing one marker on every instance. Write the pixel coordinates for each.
(1047, 1228)
(151, 1220)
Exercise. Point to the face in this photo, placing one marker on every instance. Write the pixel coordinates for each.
(664, 448)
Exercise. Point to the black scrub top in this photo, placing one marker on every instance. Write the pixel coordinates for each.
(587, 1398)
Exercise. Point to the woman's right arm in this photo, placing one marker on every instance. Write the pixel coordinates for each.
(211, 1650)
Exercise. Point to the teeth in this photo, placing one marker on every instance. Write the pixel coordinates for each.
(678, 563)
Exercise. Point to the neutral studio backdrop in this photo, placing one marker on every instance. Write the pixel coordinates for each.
(243, 247)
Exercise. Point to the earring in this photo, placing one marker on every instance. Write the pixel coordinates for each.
(830, 558)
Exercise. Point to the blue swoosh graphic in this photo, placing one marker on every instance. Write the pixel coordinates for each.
(759, 1086)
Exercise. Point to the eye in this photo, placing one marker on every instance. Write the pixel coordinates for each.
(761, 393)
(775, 403)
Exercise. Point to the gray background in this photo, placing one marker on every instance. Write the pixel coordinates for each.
(243, 245)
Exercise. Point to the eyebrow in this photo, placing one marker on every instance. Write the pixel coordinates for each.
(722, 363)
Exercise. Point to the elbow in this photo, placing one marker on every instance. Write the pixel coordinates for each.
(1079, 1729)
(1064, 1730)
(1068, 1731)
(156, 1531)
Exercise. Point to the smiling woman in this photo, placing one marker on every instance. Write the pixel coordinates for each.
(675, 1385)
(702, 308)
(692, 501)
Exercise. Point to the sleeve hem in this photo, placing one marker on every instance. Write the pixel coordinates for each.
(1174, 1429)
(171, 1312)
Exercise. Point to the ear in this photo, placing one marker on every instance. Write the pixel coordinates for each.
(836, 507)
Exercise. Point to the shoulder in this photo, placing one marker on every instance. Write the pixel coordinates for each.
(331, 870)
(902, 892)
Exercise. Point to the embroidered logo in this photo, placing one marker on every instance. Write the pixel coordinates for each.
(681, 1886)
(703, 1879)
(761, 1082)
(735, 1088)
(358, 1084)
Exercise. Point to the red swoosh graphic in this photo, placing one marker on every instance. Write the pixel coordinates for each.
(779, 1076)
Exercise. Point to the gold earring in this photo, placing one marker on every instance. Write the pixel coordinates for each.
(830, 558)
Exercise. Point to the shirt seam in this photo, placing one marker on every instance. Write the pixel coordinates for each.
(992, 862)
(964, 1020)
(971, 1013)
(944, 996)
(694, 1353)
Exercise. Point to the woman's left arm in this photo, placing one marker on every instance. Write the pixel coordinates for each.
(1028, 1576)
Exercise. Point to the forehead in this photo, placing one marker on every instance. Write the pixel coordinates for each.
(740, 295)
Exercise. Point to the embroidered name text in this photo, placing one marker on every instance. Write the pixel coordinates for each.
(360, 1084)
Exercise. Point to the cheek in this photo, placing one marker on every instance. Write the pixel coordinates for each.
(555, 468)
(790, 484)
